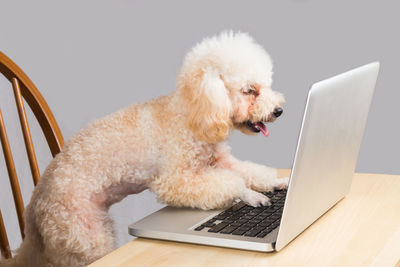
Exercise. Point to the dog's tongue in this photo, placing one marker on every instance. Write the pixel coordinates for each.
(261, 126)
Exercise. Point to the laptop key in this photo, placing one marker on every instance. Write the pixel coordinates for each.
(239, 231)
(199, 228)
(237, 224)
(234, 217)
(275, 224)
(238, 206)
(246, 227)
(223, 215)
(250, 224)
(266, 231)
(264, 223)
(229, 229)
(253, 232)
(268, 210)
(209, 223)
(262, 234)
(218, 227)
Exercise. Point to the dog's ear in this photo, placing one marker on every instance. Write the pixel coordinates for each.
(210, 108)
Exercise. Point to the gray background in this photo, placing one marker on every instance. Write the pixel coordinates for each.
(90, 58)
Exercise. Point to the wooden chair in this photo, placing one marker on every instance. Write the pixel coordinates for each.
(24, 88)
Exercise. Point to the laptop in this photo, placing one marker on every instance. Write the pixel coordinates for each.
(329, 142)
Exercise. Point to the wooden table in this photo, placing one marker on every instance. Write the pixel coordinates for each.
(363, 229)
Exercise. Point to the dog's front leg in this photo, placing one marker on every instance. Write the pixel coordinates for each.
(209, 189)
(257, 177)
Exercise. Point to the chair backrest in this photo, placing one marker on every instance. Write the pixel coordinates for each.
(24, 88)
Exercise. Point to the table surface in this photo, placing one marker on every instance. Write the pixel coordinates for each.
(362, 229)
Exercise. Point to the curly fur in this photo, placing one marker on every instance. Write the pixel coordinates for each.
(172, 145)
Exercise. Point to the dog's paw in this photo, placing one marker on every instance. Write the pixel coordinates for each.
(254, 198)
(281, 183)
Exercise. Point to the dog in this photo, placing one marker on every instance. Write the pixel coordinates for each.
(173, 145)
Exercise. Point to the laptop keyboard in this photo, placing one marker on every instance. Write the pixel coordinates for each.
(245, 220)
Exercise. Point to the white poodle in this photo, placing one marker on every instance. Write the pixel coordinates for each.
(173, 145)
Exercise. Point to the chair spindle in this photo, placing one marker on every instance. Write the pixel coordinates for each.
(26, 132)
(4, 245)
(12, 174)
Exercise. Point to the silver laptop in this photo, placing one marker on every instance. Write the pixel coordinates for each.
(329, 142)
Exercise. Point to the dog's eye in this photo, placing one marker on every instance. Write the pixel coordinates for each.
(249, 90)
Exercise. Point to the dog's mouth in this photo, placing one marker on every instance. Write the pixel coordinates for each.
(257, 127)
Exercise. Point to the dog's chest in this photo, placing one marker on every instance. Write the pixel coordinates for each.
(115, 193)
(206, 155)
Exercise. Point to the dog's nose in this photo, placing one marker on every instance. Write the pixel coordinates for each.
(278, 112)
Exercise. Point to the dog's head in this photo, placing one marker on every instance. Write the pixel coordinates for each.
(225, 82)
